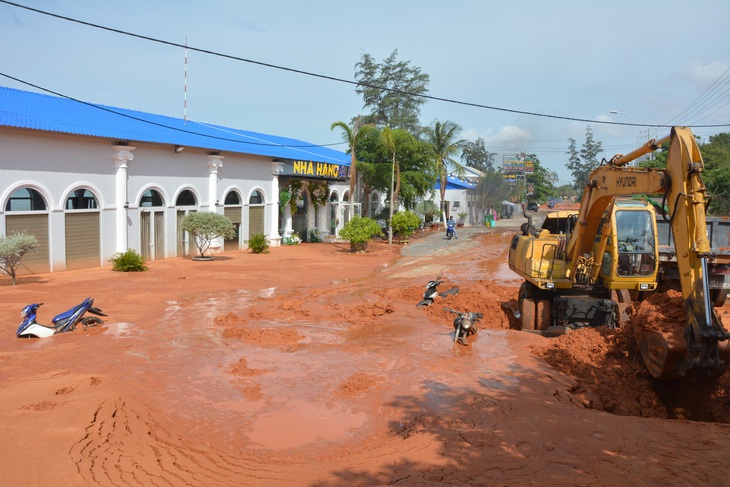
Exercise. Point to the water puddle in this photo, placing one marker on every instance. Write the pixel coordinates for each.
(118, 330)
(301, 423)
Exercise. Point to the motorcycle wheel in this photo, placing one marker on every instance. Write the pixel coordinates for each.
(457, 333)
(90, 321)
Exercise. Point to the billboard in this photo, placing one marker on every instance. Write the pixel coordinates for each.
(518, 165)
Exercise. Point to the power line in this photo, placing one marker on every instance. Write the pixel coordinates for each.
(333, 78)
(157, 124)
(697, 101)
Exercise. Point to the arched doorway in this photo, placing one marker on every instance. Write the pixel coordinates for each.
(152, 225)
(83, 233)
(256, 213)
(300, 219)
(27, 211)
(185, 203)
(346, 200)
(333, 213)
(374, 204)
(233, 206)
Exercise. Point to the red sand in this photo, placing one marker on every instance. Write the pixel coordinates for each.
(311, 366)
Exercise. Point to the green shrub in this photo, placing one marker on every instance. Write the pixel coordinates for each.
(360, 230)
(314, 236)
(405, 223)
(258, 243)
(12, 249)
(129, 261)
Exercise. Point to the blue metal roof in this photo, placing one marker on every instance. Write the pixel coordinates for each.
(454, 183)
(34, 111)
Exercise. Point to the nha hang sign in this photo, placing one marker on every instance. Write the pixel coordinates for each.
(316, 170)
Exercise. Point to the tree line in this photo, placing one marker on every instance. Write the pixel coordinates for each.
(393, 153)
(715, 155)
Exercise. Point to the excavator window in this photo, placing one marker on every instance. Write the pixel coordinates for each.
(635, 243)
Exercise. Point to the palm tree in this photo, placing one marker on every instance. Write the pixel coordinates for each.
(442, 137)
(351, 135)
(393, 139)
(491, 191)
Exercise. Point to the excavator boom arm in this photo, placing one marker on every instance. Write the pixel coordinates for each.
(686, 196)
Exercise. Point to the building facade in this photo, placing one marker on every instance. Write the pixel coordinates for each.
(91, 181)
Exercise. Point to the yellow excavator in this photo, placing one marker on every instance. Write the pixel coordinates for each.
(584, 270)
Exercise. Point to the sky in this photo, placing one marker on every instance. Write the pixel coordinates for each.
(541, 72)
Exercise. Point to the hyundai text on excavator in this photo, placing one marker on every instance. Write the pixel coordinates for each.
(584, 271)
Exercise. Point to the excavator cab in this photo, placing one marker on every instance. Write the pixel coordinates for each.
(630, 253)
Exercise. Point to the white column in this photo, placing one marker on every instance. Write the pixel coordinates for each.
(122, 155)
(288, 229)
(274, 237)
(215, 162)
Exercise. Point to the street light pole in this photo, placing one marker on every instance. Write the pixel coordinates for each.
(616, 112)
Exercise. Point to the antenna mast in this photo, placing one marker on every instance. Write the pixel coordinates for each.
(185, 87)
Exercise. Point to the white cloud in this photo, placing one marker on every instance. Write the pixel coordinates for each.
(706, 74)
(511, 133)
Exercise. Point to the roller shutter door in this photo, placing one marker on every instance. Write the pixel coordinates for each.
(35, 262)
(255, 220)
(82, 240)
(234, 214)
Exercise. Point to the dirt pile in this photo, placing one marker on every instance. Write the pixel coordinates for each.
(662, 312)
(611, 376)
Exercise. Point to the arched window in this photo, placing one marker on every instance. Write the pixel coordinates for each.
(81, 199)
(374, 204)
(185, 198)
(333, 198)
(257, 198)
(26, 199)
(232, 198)
(151, 197)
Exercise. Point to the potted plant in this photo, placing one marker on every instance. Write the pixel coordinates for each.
(429, 209)
(359, 231)
(404, 224)
(294, 239)
(462, 218)
(204, 227)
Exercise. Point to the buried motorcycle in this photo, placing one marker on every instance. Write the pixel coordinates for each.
(432, 292)
(66, 321)
(464, 324)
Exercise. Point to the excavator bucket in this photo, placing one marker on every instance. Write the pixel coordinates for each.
(668, 354)
(664, 353)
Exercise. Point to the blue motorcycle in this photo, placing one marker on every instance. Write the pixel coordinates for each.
(450, 229)
(66, 321)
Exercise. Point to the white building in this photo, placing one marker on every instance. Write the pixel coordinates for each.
(460, 196)
(90, 181)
